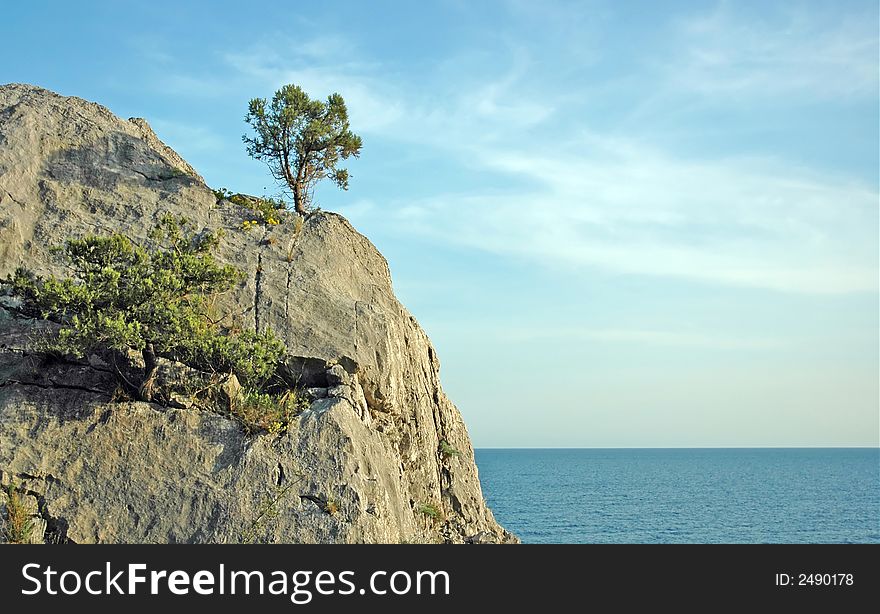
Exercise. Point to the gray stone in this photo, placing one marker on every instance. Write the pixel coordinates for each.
(123, 471)
(316, 393)
(180, 401)
(230, 388)
(337, 376)
(339, 391)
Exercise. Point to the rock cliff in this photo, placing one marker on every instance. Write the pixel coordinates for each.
(362, 464)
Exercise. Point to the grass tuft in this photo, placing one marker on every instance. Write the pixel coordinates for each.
(432, 512)
(447, 450)
(19, 524)
(267, 412)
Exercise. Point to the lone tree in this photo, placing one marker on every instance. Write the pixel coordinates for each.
(301, 140)
(154, 300)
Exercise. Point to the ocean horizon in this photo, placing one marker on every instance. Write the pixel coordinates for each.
(684, 495)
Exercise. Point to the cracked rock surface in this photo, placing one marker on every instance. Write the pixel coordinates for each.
(357, 466)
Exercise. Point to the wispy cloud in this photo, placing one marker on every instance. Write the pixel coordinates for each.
(611, 202)
(606, 200)
(322, 65)
(797, 53)
(474, 110)
(152, 48)
(500, 100)
(617, 206)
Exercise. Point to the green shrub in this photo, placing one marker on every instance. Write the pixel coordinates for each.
(268, 210)
(151, 299)
(447, 450)
(252, 357)
(431, 511)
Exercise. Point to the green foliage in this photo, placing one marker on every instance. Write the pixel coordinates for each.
(153, 299)
(19, 524)
(264, 411)
(447, 450)
(301, 140)
(222, 194)
(431, 511)
(252, 356)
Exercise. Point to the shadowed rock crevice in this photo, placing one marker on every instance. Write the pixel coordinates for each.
(52, 385)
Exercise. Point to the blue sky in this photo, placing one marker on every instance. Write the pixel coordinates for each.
(621, 223)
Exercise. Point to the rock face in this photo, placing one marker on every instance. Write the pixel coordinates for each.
(362, 464)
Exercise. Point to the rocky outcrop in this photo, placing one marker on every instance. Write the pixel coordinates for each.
(359, 465)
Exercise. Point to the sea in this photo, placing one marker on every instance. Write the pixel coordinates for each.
(713, 495)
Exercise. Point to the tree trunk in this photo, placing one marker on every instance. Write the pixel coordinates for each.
(150, 368)
(299, 199)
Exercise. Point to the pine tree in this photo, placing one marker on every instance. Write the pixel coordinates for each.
(301, 140)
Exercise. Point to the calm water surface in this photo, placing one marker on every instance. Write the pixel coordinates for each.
(753, 495)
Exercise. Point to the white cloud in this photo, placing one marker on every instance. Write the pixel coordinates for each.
(605, 200)
(500, 100)
(475, 108)
(609, 202)
(321, 67)
(800, 53)
(626, 209)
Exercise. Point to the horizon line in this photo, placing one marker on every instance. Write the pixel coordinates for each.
(837, 447)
